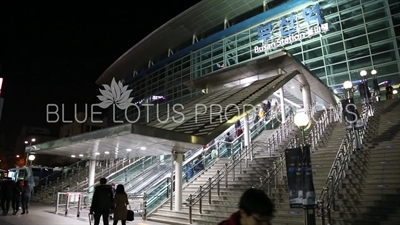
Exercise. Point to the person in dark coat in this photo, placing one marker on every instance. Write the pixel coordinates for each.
(254, 208)
(16, 199)
(102, 202)
(26, 197)
(7, 192)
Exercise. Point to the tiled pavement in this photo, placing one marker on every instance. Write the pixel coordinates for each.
(40, 214)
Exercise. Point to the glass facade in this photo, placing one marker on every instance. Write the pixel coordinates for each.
(363, 35)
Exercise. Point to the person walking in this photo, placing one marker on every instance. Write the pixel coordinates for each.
(26, 197)
(102, 202)
(16, 199)
(120, 205)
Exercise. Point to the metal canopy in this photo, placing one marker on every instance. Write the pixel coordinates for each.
(198, 19)
(198, 126)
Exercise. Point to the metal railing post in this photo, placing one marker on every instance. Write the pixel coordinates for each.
(226, 175)
(218, 183)
(190, 209)
(144, 216)
(275, 174)
(240, 162)
(201, 200)
(209, 190)
(322, 211)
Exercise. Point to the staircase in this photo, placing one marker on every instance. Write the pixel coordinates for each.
(321, 164)
(370, 193)
(222, 206)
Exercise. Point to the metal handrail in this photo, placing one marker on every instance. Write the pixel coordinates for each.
(338, 169)
(272, 174)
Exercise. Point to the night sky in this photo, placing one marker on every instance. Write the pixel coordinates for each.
(53, 52)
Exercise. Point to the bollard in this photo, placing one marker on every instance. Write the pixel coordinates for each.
(226, 175)
(78, 211)
(54, 196)
(67, 205)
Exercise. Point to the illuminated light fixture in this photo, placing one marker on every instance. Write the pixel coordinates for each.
(363, 73)
(106, 152)
(347, 85)
(97, 153)
(395, 92)
(73, 156)
(373, 72)
(26, 142)
(31, 158)
(17, 156)
(80, 155)
(292, 87)
(142, 148)
(128, 150)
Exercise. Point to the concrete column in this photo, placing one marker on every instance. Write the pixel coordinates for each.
(246, 131)
(283, 113)
(92, 170)
(307, 102)
(178, 180)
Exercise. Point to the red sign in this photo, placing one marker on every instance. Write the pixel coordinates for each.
(1, 83)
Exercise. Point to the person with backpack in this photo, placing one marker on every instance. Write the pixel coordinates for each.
(102, 202)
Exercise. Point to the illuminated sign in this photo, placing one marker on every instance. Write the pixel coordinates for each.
(292, 28)
(1, 83)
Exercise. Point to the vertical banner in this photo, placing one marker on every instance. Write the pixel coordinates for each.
(294, 175)
(299, 175)
(308, 184)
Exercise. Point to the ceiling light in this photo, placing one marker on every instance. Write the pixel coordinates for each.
(97, 153)
(292, 87)
(128, 150)
(142, 148)
(80, 155)
(106, 152)
(73, 156)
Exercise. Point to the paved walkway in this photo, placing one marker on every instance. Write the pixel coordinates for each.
(40, 214)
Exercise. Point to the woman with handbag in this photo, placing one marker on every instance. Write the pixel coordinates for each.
(120, 207)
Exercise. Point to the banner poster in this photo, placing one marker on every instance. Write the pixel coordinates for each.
(299, 175)
(308, 184)
(294, 175)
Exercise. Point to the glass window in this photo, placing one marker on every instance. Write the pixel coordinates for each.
(343, 5)
(353, 32)
(381, 47)
(319, 72)
(360, 63)
(380, 35)
(315, 64)
(328, 10)
(244, 57)
(387, 69)
(350, 14)
(371, 27)
(352, 22)
(337, 68)
(375, 15)
(334, 48)
(294, 50)
(339, 79)
(395, 8)
(312, 54)
(355, 42)
(335, 59)
(333, 38)
(384, 57)
(357, 53)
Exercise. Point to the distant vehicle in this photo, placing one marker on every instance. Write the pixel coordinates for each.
(3, 174)
(33, 174)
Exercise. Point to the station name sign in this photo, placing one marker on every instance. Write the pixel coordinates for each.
(289, 29)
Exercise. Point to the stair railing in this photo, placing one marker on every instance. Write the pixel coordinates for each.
(205, 191)
(330, 192)
(314, 137)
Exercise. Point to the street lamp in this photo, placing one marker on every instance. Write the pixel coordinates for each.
(29, 143)
(349, 87)
(31, 158)
(301, 120)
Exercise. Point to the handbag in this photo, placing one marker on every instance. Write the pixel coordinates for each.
(130, 215)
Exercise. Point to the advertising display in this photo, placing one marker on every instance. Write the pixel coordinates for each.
(299, 175)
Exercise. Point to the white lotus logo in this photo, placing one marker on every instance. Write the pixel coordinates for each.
(117, 94)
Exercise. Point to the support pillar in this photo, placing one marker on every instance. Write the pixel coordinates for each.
(92, 170)
(307, 102)
(178, 180)
(282, 98)
(246, 131)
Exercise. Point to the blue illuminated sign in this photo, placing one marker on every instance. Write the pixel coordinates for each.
(289, 29)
